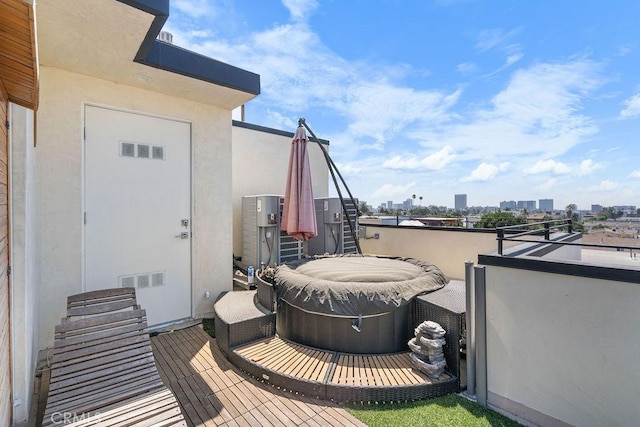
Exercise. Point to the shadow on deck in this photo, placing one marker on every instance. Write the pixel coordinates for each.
(212, 392)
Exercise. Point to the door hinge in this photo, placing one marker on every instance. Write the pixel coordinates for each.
(8, 270)
(7, 125)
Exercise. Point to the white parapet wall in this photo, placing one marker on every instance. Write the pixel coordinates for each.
(447, 249)
(561, 349)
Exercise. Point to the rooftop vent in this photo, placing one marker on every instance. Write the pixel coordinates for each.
(165, 36)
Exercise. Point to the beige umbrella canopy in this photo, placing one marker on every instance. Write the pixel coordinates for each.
(298, 213)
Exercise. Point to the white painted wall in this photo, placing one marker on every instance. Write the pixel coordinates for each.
(60, 191)
(562, 346)
(444, 248)
(260, 162)
(24, 279)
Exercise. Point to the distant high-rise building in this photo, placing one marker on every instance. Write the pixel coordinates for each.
(511, 204)
(408, 204)
(460, 202)
(390, 204)
(596, 208)
(545, 205)
(529, 205)
(628, 209)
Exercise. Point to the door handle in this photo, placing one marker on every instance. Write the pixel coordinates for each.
(183, 235)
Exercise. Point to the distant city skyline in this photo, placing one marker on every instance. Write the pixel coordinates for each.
(544, 205)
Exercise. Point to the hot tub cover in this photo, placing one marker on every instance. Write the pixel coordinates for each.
(355, 285)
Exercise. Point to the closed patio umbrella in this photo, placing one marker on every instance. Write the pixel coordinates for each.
(298, 213)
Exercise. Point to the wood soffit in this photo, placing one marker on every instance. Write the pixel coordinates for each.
(18, 57)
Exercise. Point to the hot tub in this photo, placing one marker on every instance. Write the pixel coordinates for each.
(351, 303)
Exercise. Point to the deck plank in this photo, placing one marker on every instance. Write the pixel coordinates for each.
(212, 392)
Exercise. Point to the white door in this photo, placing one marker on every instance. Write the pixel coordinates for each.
(137, 209)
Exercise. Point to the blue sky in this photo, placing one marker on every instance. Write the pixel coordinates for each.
(501, 100)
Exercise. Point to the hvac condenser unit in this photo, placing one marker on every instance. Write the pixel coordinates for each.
(334, 235)
(262, 239)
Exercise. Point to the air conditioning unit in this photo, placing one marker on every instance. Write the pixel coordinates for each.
(334, 235)
(262, 239)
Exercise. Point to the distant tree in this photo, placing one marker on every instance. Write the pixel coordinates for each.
(364, 208)
(609, 213)
(499, 219)
(578, 226)
(570, 210)
(421, 211)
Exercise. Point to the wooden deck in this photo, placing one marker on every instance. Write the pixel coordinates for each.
(309, 364)
(212, 392)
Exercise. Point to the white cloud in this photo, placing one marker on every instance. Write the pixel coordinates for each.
(467, 68)
(300, 9)
(538, 113)
(485, 172)
(632, 107)
(433, 161)
(393, 192)
(297, 71)
(634, 174)
(512, 59)
(548, 185)
(542, 166)
(588, 167)
(501, 41)
(604, 186)
(495, 38)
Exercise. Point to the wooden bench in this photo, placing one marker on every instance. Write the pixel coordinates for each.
(101, 302)
(103, 370)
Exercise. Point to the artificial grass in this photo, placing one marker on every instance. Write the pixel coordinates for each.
(209, 327)
(451, 410)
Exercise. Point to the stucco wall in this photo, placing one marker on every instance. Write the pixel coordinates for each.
(60, 190)
(563, 347)
(23, 254)
(260, 162)
(445, 248)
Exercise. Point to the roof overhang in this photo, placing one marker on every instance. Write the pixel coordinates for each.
(116, 41)
(18, 54)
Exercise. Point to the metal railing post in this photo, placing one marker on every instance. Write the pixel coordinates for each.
(500, 239)
(570, 226)
(481, 334)
(546, 231)
(471, 339)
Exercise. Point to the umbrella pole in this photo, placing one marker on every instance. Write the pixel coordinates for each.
(333, 169)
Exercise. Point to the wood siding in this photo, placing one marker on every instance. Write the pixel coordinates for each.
(5, 335)
(18, 64)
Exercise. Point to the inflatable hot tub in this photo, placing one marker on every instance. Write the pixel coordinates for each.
(351, 303)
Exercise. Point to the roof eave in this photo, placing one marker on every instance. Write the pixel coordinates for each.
(174, 59)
